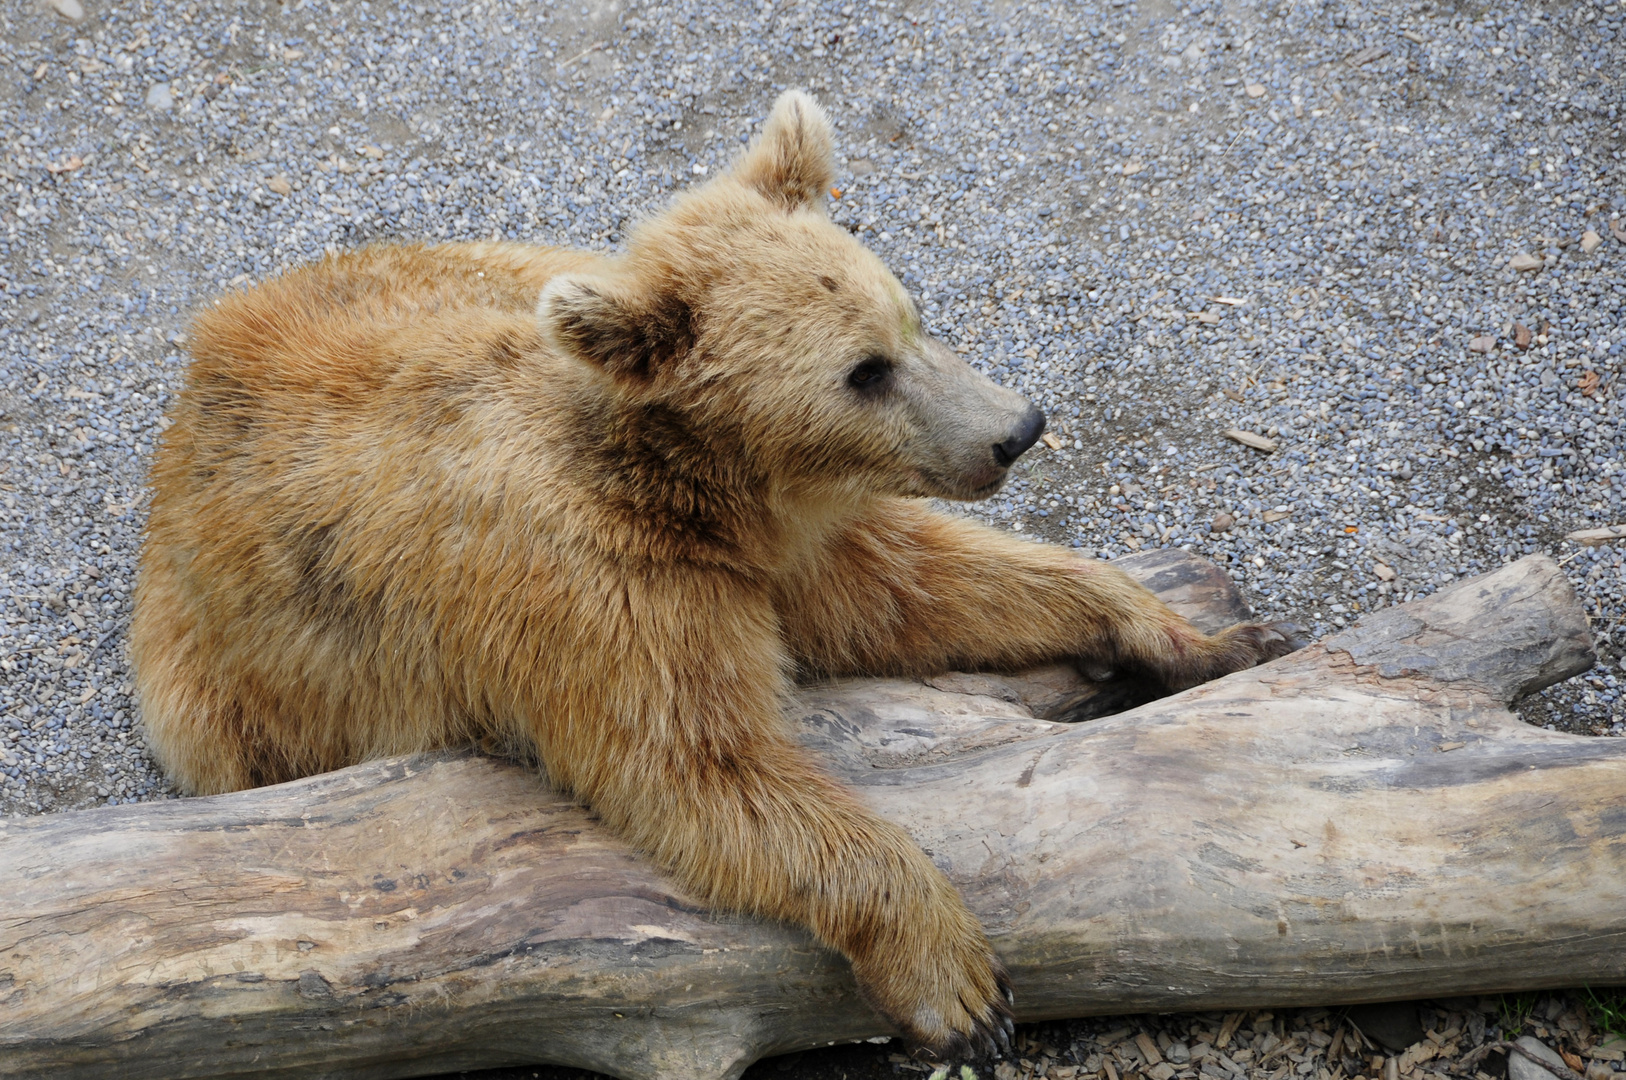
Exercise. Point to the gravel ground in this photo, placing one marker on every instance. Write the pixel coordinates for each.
(1426, 1040)
(1388, 237)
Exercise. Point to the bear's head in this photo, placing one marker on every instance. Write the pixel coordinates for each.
(745, 317)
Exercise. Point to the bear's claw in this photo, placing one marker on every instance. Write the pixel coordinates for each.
(989, 1031)
(990, 1037)
(1297, 636)
(1271, 641)
(1235, 649)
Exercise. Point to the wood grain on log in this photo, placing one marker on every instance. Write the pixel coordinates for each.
(1361, 820)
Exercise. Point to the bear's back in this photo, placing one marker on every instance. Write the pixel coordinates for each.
(346, 324)
(336, 477)
(341, 380)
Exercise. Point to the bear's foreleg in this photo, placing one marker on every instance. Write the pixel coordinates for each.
(676, 738)
(908, 591)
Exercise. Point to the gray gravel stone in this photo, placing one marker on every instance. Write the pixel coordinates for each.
(1520, 1067)
(159, 97)
(1088, 200)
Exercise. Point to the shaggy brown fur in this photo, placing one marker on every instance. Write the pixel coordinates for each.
(604, 509)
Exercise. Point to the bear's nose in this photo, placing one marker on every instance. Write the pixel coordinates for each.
(1027, 433)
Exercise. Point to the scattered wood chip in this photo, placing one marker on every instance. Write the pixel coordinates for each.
(1590, 241)
(1227, 1029)
(1482, 344)
(280, 184)
(1051, 441)
(1232, 394)
(1222, 522)
(1412, 35)
(1231, 300)
(1588, 383)
(1447, 747)
(1255, 90)
(1418, 1053)
(1525, 262)
(1616, 231)
(1133, 166)
(1251, 438)
(1272, 516)
(1367, 55)
(1612, 1048)
(1521, 335)
(1148, 1048)
(1209, 317)
(374, 152)
(1384, 571)
(1595, 537)
(66, 165)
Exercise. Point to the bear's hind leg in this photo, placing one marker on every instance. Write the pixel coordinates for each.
(188, 730)
(192, 736)
(197, 725)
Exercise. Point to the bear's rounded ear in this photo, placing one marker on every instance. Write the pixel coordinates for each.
(605, 322)
(792, 163)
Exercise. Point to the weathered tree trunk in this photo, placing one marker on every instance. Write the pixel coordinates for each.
(1359, 821)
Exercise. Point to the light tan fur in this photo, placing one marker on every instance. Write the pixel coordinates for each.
(602, 510)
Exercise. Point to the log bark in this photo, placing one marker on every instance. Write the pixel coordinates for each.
(1362, 820)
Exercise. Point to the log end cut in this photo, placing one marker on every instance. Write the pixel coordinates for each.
(1510, 633)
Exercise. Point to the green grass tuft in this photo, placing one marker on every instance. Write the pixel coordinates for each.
(1607, 1008)
(1516, 1012)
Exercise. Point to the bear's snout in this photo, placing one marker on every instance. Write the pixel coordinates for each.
(1028, 430)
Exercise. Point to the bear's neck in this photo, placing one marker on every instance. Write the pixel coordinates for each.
(669, 489)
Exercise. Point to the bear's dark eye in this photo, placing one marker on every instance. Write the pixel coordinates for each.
(869, 374)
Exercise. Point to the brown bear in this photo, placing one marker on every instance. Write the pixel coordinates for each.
(605, 509)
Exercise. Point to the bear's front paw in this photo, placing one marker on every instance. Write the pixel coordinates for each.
(1268, 641)
(944, 989)
(1241, 647)
(1136, 683)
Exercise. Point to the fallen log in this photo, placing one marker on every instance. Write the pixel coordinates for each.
(1362, 820)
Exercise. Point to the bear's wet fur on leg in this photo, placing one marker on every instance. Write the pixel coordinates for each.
(604, 509)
